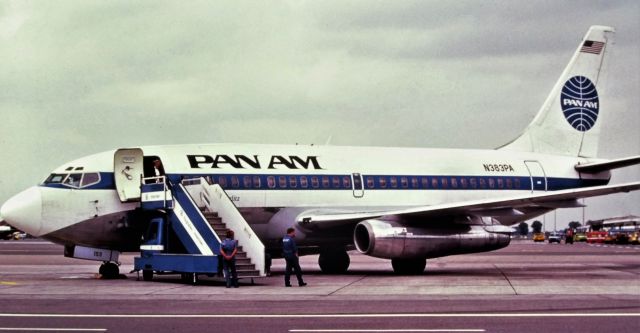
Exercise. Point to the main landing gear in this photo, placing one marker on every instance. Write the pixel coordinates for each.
(412, 266)
(334, 261)
(109, 270)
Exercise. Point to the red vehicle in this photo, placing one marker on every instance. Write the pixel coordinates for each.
(596, 236)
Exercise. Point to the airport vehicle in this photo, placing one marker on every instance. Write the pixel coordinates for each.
(402, 204)
(554, 237)
(633, 238)
(596, 236)
(622, 237)
(610, 238)
(538, 237)
(580, 237)
(6, 232)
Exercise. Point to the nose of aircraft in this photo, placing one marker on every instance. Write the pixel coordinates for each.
(24, 211)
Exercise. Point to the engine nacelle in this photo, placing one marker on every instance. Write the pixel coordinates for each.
(390, 239)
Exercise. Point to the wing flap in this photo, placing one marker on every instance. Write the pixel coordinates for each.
(487, 207)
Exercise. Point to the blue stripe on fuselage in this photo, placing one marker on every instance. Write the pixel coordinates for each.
(313, 182)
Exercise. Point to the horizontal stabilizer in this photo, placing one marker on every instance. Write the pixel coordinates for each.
(608, 165)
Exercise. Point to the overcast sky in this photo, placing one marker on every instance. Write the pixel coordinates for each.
(80, 77)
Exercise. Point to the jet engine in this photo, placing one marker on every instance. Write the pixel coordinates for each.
(392, 239)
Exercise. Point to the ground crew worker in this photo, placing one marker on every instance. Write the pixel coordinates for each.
(290, 253)
(228, 249)
(568, 239)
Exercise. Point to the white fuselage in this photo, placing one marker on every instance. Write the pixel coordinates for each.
(263, 179)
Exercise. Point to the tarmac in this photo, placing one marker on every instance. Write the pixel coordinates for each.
(526, 287)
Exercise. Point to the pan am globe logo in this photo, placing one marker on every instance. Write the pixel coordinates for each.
(579, 102)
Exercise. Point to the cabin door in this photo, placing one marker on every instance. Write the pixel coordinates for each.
(128, 170)
(537, 175)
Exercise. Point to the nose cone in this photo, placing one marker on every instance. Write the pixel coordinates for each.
(24, 211)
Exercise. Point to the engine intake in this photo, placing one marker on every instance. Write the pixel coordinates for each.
(390, 239)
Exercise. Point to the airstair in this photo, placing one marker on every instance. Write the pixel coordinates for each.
(193, 217)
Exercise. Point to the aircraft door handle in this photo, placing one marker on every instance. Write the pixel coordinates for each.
(126, 173)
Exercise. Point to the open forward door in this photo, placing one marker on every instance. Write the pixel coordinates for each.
(128, 169)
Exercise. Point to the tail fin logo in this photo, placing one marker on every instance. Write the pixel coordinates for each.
(579, 103)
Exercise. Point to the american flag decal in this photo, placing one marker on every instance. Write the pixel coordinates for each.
(593, 47)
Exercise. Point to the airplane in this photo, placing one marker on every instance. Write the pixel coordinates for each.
(403, 204)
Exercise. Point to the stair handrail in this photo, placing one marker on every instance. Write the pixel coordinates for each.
(216, 199)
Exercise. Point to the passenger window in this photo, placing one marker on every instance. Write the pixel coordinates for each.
(315, 183)
(325, 181)
(509, 183)
(464, 183)
(293, 182)
(414, 182)
(304, 183)
(454, 182)
(500, 183)
(425, 182)
(483, 183)
(235, 182)
(335, 181)
(383, 182)
(517, 183)
(473, 182)
(404, 182)
(73, 180)
(256, 182)
(222, 180)
(271, 182)
(492, 183)
(394, 182)
(370, 182)
(282, 181)
(246, 181)
(90, 179)
(346, 182)
(444, 182)
(434, 182)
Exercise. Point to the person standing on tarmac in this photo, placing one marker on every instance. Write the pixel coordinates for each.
(228, 250)
(290, 253)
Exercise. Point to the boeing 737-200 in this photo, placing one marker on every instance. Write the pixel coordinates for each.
(403, 204)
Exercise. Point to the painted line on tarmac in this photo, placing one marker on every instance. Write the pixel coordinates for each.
(27, 243)
(311, 315)
(52, 329)
(391, 330)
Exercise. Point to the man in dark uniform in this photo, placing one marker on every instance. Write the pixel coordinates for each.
(290, 253)
(228, 250)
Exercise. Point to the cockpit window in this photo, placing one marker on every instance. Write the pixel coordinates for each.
(76, 180)
(73, 180)
(90, 178)
(55, 178)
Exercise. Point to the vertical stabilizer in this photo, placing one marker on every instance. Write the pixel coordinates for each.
(568, 123)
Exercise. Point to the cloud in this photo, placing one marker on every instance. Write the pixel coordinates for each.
(83, 77)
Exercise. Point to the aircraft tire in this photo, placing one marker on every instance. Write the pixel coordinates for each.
(334, 262)
(109, 270)
(413, 266)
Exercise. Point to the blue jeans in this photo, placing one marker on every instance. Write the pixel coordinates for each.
(230, 274)
(292, 264)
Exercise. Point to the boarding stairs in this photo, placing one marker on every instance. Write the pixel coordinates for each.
(198, 214)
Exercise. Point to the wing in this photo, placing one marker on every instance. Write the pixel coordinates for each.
(516, 206)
